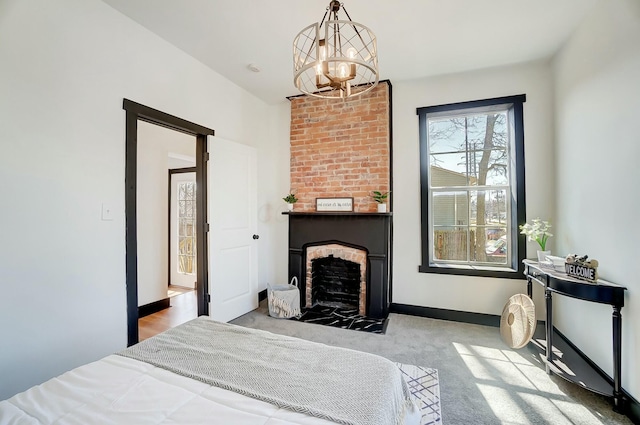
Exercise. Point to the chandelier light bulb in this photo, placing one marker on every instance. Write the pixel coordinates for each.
(343, 70)
(322, 50)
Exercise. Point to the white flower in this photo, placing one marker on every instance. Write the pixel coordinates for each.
(537, 231)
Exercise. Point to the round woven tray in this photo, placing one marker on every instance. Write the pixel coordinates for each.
(518, 321)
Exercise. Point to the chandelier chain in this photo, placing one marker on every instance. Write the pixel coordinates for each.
(324, 17)
(356, 29)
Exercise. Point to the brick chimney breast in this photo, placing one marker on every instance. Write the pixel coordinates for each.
(341, 148)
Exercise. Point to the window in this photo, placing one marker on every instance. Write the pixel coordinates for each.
(472, 187)
(187, 227)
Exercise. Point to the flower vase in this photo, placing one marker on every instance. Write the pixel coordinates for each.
(382, 208)
(289, 207)
(542, 256)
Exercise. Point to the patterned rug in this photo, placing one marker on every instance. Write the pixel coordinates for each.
(342, 318)
(425, 387)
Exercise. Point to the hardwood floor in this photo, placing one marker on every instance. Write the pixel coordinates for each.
(177, 290)
(183, 308)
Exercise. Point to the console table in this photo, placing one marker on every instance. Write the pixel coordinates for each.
(600, 292)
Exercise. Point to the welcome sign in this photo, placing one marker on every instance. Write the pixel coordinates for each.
(580, 271)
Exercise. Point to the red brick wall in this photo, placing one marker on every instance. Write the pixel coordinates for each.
(340, 148)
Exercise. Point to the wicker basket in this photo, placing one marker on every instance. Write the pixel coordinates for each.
(284, 300)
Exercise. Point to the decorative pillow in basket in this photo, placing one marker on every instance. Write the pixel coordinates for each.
(284, 300)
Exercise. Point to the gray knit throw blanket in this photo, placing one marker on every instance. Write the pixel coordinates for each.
(344, 386)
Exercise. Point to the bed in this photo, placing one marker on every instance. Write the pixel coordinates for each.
(210, 372)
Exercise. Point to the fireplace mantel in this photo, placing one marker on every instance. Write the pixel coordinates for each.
(370, 231)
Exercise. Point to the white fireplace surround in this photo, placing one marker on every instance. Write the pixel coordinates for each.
(354, 255)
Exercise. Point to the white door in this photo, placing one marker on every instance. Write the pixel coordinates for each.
(182, 226)
(233, 220)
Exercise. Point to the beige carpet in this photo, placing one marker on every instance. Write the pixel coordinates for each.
(481, 379)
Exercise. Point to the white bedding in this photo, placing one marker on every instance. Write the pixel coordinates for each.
(120, 390)
(346, 386)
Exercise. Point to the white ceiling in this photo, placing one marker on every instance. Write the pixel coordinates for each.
(416, 38)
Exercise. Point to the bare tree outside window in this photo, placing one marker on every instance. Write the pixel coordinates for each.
(469, 185)
(472, 149)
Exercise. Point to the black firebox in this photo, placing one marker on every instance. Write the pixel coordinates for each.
(335, 282)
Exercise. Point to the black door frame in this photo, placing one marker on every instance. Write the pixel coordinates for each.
(135, 112)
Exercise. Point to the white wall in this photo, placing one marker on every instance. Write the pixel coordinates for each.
(597, 102)
(155, 144)
(273, 227)
(465, 293)
(65, 68)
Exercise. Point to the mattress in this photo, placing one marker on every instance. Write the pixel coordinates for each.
(123, 390)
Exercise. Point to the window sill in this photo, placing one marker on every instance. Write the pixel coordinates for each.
(466, 270)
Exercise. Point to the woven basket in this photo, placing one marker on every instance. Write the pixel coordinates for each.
(284, 300)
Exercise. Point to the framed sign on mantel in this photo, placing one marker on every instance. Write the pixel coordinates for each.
(334, 204)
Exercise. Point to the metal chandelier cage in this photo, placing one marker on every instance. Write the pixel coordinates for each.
(335, 58)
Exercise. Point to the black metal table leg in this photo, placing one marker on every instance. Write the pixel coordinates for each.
(529, 287)
(618, 405)
(549, 329)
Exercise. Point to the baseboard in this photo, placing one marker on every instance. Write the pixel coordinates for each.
(443, 314)
(154, 307)
(584, 356)
(632, 406)
(633, 409)
(262, 295)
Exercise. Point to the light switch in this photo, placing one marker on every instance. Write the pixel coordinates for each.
(107, 212)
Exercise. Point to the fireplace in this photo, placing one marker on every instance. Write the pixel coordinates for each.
(352, 250)
(336, 276)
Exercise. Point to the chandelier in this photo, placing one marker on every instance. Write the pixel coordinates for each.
(335, 58)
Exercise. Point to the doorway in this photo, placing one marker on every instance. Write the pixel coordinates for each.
(135, 113)
(182, 259)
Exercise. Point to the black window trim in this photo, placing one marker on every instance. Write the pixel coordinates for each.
(518, 214)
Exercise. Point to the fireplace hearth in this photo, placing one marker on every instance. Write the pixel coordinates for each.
(352, 250)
